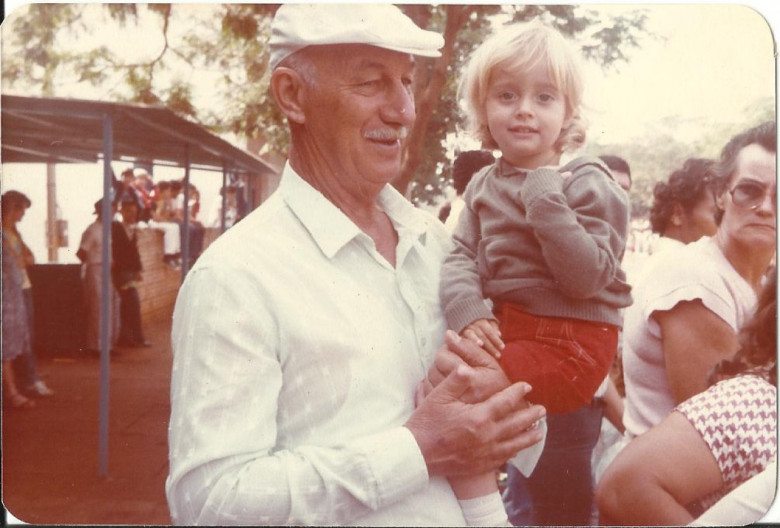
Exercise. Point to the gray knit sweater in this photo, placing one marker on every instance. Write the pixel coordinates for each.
(547, 244)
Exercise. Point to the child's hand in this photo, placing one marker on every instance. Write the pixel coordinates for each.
(485, 333)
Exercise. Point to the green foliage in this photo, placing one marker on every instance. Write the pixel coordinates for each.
(34, 56)
(659, 152)
(228, 42)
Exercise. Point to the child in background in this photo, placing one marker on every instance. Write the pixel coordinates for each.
(544, 244)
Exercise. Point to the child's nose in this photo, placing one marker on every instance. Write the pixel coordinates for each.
(524, 106)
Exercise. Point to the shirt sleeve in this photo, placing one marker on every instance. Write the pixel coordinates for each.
(461, 293)
(581, 224)
(682, 277)
(226, 463)
(737, 419)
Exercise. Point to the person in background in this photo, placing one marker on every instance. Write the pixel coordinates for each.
(91, 255)
(231, 215)
(710, 444)
(465, 166)
(14, 205)
(144, 186)
(196, 231)
(690, 302)
(164, 218)
(543, 243)
(15, 329)
(300, 335)
(126, 274)
(683, 207)
(129, 189)
(620, 170)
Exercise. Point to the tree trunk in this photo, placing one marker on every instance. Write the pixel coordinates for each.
(428, 98)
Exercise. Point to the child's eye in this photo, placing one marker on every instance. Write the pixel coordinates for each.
(546, 97)
(506, 96)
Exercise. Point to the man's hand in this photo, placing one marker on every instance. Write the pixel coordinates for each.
(485, 333)
(489, 379)
(458, 438)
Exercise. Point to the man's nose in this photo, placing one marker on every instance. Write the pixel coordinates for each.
(400, 106)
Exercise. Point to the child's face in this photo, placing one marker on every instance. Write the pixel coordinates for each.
(525, 115)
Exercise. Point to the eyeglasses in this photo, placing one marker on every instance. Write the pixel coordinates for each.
(750, 195)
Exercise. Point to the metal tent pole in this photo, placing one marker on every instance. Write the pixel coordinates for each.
(185, 235)
(105, 295)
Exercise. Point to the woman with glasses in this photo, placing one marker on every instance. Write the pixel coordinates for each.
(689, 303)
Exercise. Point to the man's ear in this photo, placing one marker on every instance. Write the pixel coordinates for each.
(288, 90)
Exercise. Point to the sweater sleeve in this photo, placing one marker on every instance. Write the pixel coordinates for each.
(460, 290)
(581, 224)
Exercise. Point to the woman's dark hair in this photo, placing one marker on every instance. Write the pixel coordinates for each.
(686, 186)
(757, 352)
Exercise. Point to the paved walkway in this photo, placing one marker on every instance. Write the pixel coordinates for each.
(50, 453)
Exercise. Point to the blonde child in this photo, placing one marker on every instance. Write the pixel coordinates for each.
(543, 243)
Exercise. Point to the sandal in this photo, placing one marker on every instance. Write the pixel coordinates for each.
(19, 401)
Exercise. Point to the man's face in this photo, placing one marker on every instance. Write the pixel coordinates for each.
(753, 227)
(358, 114)
(129, 212)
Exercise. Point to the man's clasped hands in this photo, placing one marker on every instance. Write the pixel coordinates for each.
(469, 418)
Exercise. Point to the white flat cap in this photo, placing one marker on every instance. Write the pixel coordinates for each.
(296, 26)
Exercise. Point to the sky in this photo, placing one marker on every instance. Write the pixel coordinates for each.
(708, 62)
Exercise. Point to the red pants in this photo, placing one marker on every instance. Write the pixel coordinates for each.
(564, 360)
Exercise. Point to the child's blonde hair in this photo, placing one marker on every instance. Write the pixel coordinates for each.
(523, 46)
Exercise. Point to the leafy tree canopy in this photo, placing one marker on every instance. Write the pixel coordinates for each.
(53, 49)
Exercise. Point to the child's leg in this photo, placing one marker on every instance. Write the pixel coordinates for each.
(479, 500)
(470, 487)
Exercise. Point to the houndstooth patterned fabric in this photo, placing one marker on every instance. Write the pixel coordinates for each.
(737, 418)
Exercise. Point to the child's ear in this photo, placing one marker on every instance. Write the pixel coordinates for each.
(567, 120)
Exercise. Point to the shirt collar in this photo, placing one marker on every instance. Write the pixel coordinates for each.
(329, 227)
(505, 169)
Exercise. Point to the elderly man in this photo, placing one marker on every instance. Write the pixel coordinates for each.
(301, 334)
